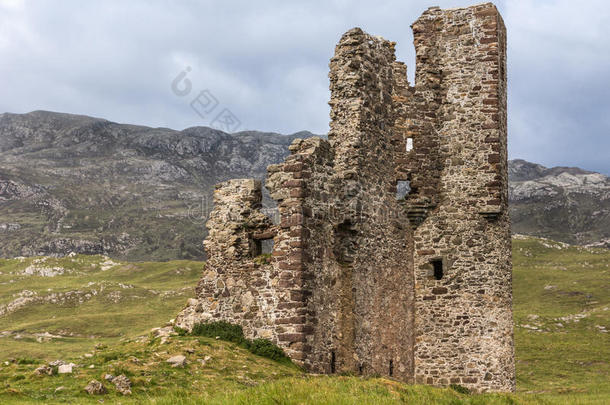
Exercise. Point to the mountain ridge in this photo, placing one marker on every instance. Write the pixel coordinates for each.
(77, 183)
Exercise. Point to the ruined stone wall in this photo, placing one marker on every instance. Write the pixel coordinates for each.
(372, 240)
(238, 284)
(463, 316)
(361, 279)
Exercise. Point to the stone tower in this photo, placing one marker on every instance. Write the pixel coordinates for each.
(392, 252)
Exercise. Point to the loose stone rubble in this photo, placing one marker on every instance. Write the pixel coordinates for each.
(392, 252)
(95, 388)
(122, 384)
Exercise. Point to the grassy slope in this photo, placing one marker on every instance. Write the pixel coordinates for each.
(562, 302)
(94, 298)
(558, 360)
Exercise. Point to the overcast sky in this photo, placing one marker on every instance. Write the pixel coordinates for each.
(267, 63)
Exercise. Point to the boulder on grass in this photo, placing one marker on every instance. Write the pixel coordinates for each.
(95, 388)
(122, 384)
(177, 361)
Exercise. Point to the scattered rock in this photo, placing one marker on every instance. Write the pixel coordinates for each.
(163, 333)
(92, 366)
(57, 363)
(95, 388)
(64, 369)
(122, 384)
(44, 370)
(88, 355)
(108, 377)
(189, 350)
(177, 361)
(60, 388)
(207, 358)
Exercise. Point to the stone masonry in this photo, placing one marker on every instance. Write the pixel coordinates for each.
(391, 255)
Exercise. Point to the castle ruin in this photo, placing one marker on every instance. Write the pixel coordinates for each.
(392, 255)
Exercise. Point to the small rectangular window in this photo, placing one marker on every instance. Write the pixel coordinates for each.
(409, 144)
(266, 246)
(437, 266)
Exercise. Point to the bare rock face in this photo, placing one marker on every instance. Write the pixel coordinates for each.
(161, 181)
(359, 278)
(95, 388)
(566, 204)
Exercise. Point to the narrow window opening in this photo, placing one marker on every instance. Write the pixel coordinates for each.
(345, 244)
(360, 369)
(409, 144)
(391, 368)
(403, 188)
(437, 265)
(256, 248)
(332, 362)
(266, 246)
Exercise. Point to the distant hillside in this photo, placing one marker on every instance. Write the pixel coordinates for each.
(71, 183)
(82, 184)
(567, 204)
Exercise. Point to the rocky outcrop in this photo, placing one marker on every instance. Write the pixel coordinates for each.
(72, 183)
(562, 203)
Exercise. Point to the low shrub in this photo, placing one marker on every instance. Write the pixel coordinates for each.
(264, 348)
(221, 329)
(459, 388)
(26, 360)
(180, 331)
(235, 334)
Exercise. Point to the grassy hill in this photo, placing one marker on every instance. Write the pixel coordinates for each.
(97, 313)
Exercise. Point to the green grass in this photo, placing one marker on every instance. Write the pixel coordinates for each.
(94, 298)
(561, 304)
(561, 307)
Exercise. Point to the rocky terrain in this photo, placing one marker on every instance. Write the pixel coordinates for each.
(71, 183)
(567, 204)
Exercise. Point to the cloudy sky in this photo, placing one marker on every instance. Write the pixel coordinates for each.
(267, 63)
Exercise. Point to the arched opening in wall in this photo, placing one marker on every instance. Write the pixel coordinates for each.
(437, 268)
(345, 243)
(332, 362)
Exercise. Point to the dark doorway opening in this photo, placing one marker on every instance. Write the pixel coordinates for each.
(332, 362)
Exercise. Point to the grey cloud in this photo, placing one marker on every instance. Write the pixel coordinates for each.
(268, 61)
